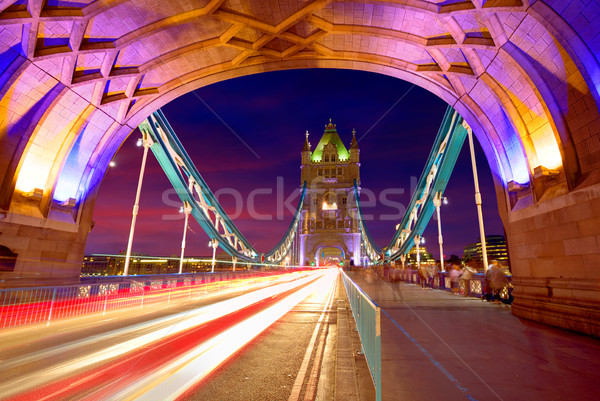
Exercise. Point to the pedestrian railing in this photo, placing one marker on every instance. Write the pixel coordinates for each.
(21, 306)
(475, 287)
(367, 316)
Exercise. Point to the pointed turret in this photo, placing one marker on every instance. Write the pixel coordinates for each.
(306, 152)
(353, 144)
(354, 151)
(306, 144)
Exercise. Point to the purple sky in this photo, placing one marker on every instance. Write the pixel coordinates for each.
(254, 134)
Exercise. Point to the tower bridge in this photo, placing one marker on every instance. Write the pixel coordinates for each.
(329, 215)
(77, 77)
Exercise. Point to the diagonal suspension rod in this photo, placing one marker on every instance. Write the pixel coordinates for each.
(433, 181)
(205, 209)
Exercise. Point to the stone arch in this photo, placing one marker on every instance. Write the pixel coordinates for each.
(524, 75)
(318, 247)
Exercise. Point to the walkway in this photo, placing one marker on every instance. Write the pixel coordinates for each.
(438, 346)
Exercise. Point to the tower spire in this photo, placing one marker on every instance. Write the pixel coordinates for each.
(354, 143)
(306, 144)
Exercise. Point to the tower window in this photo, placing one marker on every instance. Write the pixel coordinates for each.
(340, 171)
(344, 200)
(320, 171)
(332, 158)
(326, 158)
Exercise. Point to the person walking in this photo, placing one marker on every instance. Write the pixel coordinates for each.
(454, 277)
(465, 279)
(488, 294)
(423, 277)
(498, 281)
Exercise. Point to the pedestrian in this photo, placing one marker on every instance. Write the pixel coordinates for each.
(423, 277)
(488, 293)
(454, 277)
(432, 272)
(465, 279)
(498, 281)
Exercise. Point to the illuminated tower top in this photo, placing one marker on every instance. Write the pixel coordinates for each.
(331, 162)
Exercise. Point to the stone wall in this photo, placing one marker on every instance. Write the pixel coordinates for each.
(555, 258)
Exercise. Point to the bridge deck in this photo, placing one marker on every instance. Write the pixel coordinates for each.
(438, 346)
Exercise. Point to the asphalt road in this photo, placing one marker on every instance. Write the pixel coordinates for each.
(268, 367)
(145, 354)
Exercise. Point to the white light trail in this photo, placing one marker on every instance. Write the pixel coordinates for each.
(175, 378)
(153, 331)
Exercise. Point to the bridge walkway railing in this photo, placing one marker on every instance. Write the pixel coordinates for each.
(23, 306)
(367, 316)
(475, 287)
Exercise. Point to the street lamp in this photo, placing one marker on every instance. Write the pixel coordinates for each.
(147, 142)
(438, 200)
(214, 244)
(186, 209)
(477, 196)
(417, 243)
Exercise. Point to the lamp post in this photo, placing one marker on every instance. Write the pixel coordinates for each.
(417, 243)
(477, 196)
(437, 201)
(214, 244)
(186, 209)
(146, 141)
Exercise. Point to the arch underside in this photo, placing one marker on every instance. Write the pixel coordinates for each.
(96, 71)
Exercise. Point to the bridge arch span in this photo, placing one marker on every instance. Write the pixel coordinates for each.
(525, 75)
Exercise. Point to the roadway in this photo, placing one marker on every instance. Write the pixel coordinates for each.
(215, 347)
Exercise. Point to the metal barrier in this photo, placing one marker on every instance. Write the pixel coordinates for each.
(21, 306)
(475, 287)
(367, 316)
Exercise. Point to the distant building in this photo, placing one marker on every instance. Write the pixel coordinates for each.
(496, 249)
(425, 257)
(113, 265)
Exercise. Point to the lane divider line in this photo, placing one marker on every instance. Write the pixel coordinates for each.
(297, 387)
(311, 386)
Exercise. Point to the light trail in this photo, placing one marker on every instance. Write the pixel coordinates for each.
(63, 379)
(176, 378)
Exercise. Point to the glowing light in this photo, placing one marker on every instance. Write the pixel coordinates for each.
(548, 153)
(112, 164)
(333, 206)
(32, 174)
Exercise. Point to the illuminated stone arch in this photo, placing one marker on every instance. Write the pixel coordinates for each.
(77, 78)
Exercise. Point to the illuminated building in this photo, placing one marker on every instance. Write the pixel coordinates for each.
(329, 231)
(496, 249)
(111, 265)
(426, 257)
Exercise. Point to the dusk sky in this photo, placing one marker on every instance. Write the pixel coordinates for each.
(247, 133)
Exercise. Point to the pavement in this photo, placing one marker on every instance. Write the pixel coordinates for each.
(438, 346)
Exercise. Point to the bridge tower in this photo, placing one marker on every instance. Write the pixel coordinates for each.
(329, 228)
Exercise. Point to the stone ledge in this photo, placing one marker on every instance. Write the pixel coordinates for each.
(582, 320)
(558, 282)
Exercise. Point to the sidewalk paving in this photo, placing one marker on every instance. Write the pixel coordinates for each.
(438, 346)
